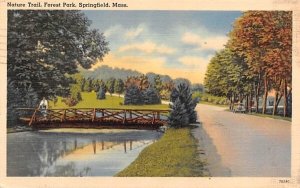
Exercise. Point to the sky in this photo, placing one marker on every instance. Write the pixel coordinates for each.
(176, 43)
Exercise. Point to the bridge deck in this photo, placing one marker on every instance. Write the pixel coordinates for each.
(95, 118)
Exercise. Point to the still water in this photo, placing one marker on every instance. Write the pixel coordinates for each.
(71, 152)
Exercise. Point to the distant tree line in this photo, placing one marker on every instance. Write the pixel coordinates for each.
(137, 90)
(256, 60)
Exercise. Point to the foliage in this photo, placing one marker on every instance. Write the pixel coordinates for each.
(30, 99)
(179, 81)
(105, 72)
(119, 86)
(178, 116)
(110, 85)
(174, 155)
(197, 87)
(44, 47)
(75, 91)
(101, 93)
(141, 82)
(69, 101)
(183, 95)
(151, 96)
(88, 85)
(205, 97)
(133, 96)
(257, 56)
(60, 40)
(158, 85)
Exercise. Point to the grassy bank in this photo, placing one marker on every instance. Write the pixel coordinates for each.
(175, 154)
(89, 100)
(271, 116)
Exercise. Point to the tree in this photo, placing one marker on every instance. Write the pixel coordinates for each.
(151, 96)
(133, 96)
(110, 84)
(75, 92)
(101, 93)
(158, 85)
(264, 38)
(184, 94)
(42, 59)
(88, 85)
(119, 86)
(197, 87)
(140, 81)
(178, 116)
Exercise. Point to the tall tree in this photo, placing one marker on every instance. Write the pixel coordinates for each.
(264, 38)
(119, 86)
(158, 85)
(184, 94)
(46, 45)
(110, 85)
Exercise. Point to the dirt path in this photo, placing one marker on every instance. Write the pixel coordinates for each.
(243, 145)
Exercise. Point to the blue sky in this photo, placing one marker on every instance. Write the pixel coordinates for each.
(178, 43)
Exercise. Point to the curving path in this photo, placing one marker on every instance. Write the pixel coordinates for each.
(243, 145)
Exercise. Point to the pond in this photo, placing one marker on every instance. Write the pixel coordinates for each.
(75, 152)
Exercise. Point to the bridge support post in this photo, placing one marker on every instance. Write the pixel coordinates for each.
(124, 118)
(94, 115)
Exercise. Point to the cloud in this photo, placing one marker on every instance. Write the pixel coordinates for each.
(134, 32)
(157, 65)
(147, 47)
(204, 42)
(112, 30)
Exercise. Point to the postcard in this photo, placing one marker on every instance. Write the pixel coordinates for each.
(149, 94)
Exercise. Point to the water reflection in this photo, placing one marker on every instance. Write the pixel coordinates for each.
(74, 154)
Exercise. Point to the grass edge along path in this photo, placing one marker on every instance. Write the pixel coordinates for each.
(174, 154)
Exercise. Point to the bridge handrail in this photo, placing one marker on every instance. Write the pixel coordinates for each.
(129, 109)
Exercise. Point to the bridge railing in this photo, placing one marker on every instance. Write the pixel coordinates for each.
(120, 116)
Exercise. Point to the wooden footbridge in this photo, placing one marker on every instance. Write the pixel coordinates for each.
(94, 118)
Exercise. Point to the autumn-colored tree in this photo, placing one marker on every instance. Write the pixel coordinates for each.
(264, 38)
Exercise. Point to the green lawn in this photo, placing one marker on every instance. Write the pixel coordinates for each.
(89, 100)
(271, 116)
(209, 103)
(175, 154)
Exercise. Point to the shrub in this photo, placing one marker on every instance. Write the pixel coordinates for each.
(133, 96)
(70, 101)
(101, 93)
(184, 95)
(151, 96)
(178, 115)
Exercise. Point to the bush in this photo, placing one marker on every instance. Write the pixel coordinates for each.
(101, 93)
(70, 101)
(133, 96)
(178, 115)
(183, 95)
(151, 96)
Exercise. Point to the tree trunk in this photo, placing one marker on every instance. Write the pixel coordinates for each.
(265, 96)
(284, 98)
(247, 103)
(230, 105)
(250, 102)
(275, 104)
(257, 90)
(289, 103)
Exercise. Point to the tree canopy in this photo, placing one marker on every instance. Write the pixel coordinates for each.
(46, 45)
(257, 56)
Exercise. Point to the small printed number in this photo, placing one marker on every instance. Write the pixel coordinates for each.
(284, 181)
